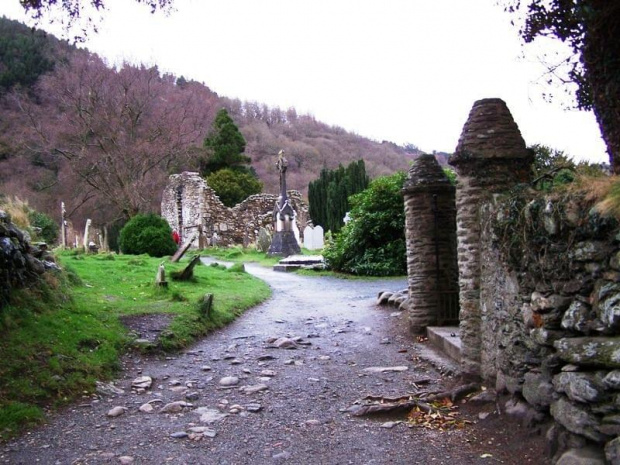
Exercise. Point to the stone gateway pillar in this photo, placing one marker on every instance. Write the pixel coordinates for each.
(430, 230)
(490, 158)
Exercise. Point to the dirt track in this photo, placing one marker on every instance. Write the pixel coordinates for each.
(297, 418)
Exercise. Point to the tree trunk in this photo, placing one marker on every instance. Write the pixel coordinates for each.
(601, 59)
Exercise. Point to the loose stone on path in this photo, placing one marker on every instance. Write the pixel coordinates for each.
(203, 430)
(229, 381)
(209, 415)
(142, 382)
(254, 389)
(116, 411)
(385, 369)
(175, 407)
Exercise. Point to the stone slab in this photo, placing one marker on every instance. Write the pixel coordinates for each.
(441, 337)
(285, 268)
(302, 260)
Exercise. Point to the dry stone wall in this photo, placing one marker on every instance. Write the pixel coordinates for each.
(550, 281)
(193, 209)
(539, 280)
(21, 264)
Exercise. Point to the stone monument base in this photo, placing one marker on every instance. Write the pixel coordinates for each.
(284, 244)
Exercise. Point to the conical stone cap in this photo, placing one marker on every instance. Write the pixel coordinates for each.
(490, 132)
(426, 174)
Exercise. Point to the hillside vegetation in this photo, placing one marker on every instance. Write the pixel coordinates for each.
(105, 140)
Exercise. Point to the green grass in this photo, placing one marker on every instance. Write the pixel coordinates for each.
(340, 275)
(239, 254)
(55, 342)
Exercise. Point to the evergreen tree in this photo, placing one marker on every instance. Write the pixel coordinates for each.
(328, 195)
(22, 55)
(225, 145)
(592, 29)
(233, 187)
(373, 242)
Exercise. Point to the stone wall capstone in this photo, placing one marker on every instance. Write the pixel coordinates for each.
(194, 210)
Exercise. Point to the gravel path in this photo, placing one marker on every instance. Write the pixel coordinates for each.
(280, 405)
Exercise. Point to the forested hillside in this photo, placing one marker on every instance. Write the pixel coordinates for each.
(104, 140)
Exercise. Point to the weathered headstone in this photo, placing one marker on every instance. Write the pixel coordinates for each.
(264, 240)
(160, 277)
(86, 232)
(206, 305)
(308, 238)
(63, 225)
(317, 238)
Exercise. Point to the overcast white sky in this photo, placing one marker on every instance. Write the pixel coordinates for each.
(406, 71)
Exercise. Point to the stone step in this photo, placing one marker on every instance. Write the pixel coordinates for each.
(302, 260)
(295, 262)
(446, 339)
(280, 267)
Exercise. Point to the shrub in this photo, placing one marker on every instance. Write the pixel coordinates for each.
(372, 243)
(48, 229)
(148, 234)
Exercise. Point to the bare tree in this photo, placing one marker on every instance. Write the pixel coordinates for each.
(119, 132)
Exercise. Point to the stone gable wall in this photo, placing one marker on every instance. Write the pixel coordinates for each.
(193, 209)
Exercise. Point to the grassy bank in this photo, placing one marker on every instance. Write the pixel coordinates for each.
(239, 254)
(57, 341)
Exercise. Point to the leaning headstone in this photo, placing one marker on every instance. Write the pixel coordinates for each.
(177, 256)
(308, 237)
(187, 274)
(317, 238)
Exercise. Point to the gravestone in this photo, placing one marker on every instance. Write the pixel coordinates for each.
(86, 234)
(308, 238)
(313, 238)
(264, 240)
(317, 238)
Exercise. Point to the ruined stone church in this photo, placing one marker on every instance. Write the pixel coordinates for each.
(194, 210)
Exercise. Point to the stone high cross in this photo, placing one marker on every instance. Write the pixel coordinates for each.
(282, 164)
(284, 242)
(284, 214)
